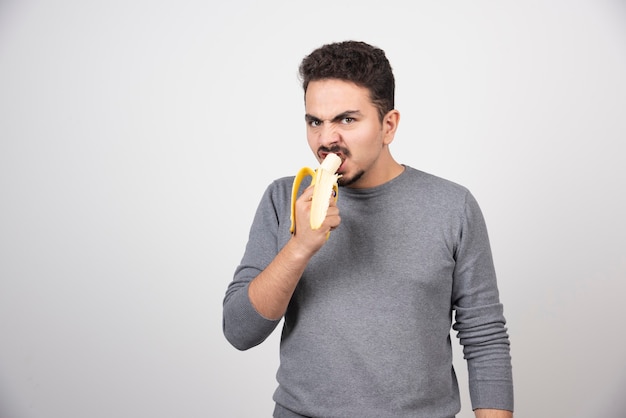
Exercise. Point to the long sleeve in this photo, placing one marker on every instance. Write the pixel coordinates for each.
(479, 318)
(243, 326)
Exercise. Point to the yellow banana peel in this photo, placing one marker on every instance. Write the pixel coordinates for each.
(324, 181)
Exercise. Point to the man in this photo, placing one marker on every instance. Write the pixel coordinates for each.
(367, 312)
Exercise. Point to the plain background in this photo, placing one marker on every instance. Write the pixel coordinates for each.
(136, 138)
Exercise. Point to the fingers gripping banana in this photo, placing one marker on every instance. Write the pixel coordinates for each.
(324, 182)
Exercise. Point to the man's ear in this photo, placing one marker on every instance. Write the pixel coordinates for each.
(390, 125)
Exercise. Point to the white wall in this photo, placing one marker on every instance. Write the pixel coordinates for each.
(136, 138)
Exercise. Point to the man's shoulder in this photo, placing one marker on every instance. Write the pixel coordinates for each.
(279, 190)
(434, 183)
(282, 182)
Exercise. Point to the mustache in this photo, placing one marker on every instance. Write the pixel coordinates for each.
(335, 149)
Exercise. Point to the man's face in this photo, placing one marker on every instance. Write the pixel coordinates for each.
(342, 119)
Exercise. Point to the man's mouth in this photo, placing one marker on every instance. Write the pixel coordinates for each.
(340, 154)
(323, 155)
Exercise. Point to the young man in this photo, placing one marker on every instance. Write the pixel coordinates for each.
(367, 312)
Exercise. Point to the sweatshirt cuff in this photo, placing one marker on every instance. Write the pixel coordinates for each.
(492, 395)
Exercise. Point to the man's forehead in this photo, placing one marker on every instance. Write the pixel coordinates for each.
(326, 99)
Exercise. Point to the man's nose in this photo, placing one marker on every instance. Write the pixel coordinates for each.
(329, 135)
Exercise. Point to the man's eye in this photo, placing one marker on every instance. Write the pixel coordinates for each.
(347, 121)
(315, 123)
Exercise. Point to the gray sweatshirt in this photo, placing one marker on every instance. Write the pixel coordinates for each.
(367, 332)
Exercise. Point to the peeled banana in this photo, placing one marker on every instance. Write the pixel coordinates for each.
(324, 180)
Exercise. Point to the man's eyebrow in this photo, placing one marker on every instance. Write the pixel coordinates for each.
(337, 118)
(311, 118)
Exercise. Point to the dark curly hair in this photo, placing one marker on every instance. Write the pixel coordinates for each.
(358, 62)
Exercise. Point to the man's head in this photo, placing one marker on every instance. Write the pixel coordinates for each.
(349, 110)
(357, 62)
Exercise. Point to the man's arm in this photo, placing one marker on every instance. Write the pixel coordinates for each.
(271, 291)
(261, 290)
(479, 319)
(493, 413)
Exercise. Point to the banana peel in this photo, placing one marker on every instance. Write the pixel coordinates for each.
(324, 182)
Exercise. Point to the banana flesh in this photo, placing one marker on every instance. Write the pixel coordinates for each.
(324, 181)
